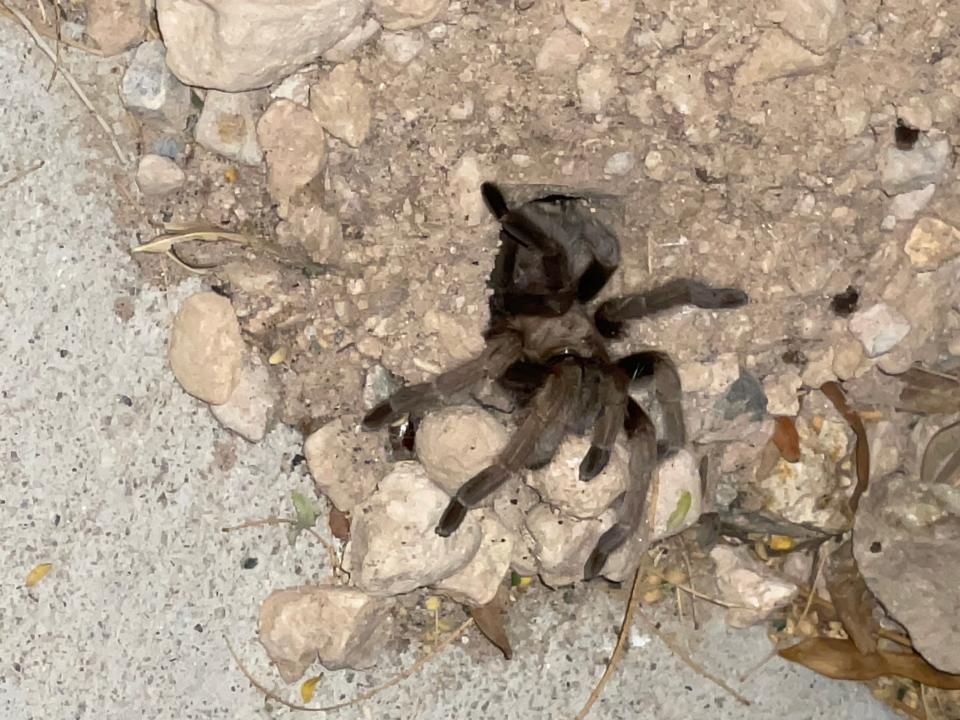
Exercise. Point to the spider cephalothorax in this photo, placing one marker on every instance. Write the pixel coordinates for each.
(544, 345)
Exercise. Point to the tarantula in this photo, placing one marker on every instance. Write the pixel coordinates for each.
(543, 345)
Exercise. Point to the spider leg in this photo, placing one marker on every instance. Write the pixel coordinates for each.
(611, 314)
(632, 511)
(613, 402)
(501, 352)
(669, 394)
(548, 410)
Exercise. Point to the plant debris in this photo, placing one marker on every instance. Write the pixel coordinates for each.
(490, 620)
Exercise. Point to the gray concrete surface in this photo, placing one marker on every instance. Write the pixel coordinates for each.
(115, 476)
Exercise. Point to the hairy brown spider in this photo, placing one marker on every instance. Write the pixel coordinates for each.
(543, 345)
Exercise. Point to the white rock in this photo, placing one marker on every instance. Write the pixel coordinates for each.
(906, 206)
(116, 25)
(680, 84)
(931, 244)
(597, 85)
(295, 88)
(776, 56)
(818, 25)
(456, 443)
(150, 91)
(341, 102)
(743, 581)
(848, 357)
(206, 350)
(562, 544)
(462, 110)
(478, 582)
(294, 144)
(782, 393)
(158, 175)
(712, 378)
(916, 113)
(604, 22)
(879, 329)
(361, 34)
(237, 45)
(340, 626)
(404, 14)
(313, 228)
(335, 456)
(559, 484)
(401, 47)
(907, 170)
(511, 504)
(620, 163)
(464, 189)
(677, 485)
(561, 53)
(820, 368)
(227, 127)
(249, 410)
(394, 547)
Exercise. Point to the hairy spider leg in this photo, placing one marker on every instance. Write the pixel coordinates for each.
(631, 514)
(613, 406)
(501, 351)
(669, 393)
(548, 411)
(682, 291)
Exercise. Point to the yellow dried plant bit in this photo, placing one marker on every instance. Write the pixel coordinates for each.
(309, 688)
(433, 603)
(37, 574)
(278, 356)
(781, 543)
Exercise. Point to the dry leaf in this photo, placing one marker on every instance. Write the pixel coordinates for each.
(309, 688)
(840, 659)
(862, 450)
(339, 523)
(852, 599)
(37, 574)
(489, 618)
(786, 438)
(941, 459)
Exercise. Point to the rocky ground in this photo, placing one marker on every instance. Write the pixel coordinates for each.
(803, 151)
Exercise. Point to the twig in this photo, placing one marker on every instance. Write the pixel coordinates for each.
(56, 61)
(697, 594)
(42, 30)
(822, 558)
(617, 650)
(693, 590)
(689, 661)
(22, 174)
(395, 680)
(274, 520)
(71, 81)
(769, 656)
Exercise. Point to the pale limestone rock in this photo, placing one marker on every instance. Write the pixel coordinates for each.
(778, 56)
(477, 583)
(559, 484)
(931, 244)
(604, 22)
(335, 456)
(456, 443)
(924, 164)
(227, 126)
(341, 102)
(294, 144)
(818, 25)
(158, 175)
(464, 190)
(206, 350)
(313, 228)
(116, 25)
(597, 85)
(741, 580)
(151, 92)
(249, 410)
(561, 53)
(562, 543)
(405, 14)
(782, 393)
(340, 626)
(879, 329)
(345, 48)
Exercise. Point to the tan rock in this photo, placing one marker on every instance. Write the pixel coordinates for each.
(456, 443)
(776, 56)
(116, 25)
(294, 144)
(931, 244)
(561, 53)
(341, 102)
(604, 22)
(404, 14)
(336, 457)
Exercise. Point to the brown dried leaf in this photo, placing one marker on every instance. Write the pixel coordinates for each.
(926, 391)
(852, 599)
(862, 450)
(786, 438)
(339, 523)
(489, 618)
(840, 659)
(941, 459)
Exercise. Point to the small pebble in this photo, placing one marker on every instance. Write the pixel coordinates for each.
(619, 163)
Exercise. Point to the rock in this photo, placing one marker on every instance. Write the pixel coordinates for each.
(249, 410)
(916, 113)
(741, 580)
(313, 228)
(682, 87)
(116, 25)
(818, 25)
(782, 393)
(462, 110)
(879, 329)
(464, 189)
(561, 53)
(151, 92)
(340, 626)
(745, 396)
(678, 485)
(295, 88)
(711, 378)
(511, 504)
(404, 14)
(338, 459)
(294, 144)
(853, 111)
(908, 205)
(401, 47)
(619, 163)
(559, 484)
(237, 45)
(227, 127)
(931, 244)
(819, 369)
(158, 175)
(456, 443)
(597, 85)
(778, 56)
(887, 443)
(562, 543)
(341, 102)
(848, 357)
(394, 547)
(478, 582)
(604, 22)
(907, 170)
(379, 384)
(906, 540)
(206, 350)
(345, 48)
